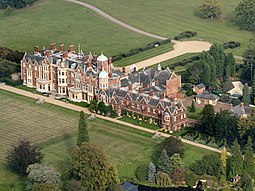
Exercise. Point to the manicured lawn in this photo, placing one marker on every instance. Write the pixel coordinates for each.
(59, 21)
(169, 18)
(54, 129)
(194, 115)
(135, 122)
(144, 55)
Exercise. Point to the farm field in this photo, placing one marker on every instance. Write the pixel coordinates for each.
(63, 22)
(54, 129)
(169, 18)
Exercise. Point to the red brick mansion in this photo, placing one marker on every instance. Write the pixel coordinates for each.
(80, 77)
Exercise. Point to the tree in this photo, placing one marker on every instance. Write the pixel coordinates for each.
(245, 13)
(141, 172)
(8, 11)
(15, 3)
(172, 145)
(45, 187)
(93, 106)
(191, 179)
(247, 182)
(176, 161)
(164, 162)
(248, 163)
(213, 74)
(102, 108)
(249, 55)
(210, 9)
(43, 175)
(74, 185)
(151, 172)
(92, 167)
(208, 119)
(22, 155)
(192, 107)
(178, 175)
(223, 158)
(207, 74)
(253, 86)
(246, 95)
(231, 63)
(163, 179)
(235, 165)
(83, 134)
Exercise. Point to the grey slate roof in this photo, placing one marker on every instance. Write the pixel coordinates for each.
(207, 95)
(200, 86)
(241, 110)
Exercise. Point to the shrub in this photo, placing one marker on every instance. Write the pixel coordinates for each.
(74, 185)
(141, 173)
(163, 179)
(191, 179)
(13, 83)
(22, 155)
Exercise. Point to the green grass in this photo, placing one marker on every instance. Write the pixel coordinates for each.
(169, 18)
(144, 55)
(194, 115)
(54, 129)
(59, 21)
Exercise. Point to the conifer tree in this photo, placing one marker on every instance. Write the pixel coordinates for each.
(164, 162)
(83, 134)
(236, 160)
(253, 86)
(223, 157)
(213, 73)
(246, 95)
(207, 74)
(151, 172)
(192, 107)
(249, 165)
(176, 161)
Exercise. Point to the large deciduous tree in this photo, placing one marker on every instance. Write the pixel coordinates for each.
(93, 168)
(22, 155)
(208, 119)
(83, 134)
(172, 145)
(210, 9)
(245, 12)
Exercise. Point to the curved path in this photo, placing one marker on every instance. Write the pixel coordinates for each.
(77, 108)
(118, 22)
(180, 48)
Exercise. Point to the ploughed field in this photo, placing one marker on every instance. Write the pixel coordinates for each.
(169, 18)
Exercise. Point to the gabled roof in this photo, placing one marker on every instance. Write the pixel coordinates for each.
(207, 95)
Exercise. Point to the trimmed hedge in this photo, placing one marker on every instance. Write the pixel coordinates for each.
(183, 62)
(185, 34)
(139, 50)
(231, 44)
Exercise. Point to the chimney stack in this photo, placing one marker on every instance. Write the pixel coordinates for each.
(36, 49)
(151, 93)
(62, 48)
(123, 69)
(53, 46)
(85, 58)
(89, 64)
(95, 57)
(140, 90)
(110, 75)
(161, 96)
(71, 49)
(42, 52)
(48, 53)
(65, 55)
(130, 87)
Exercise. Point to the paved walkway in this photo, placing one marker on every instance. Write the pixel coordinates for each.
(180, 48)
(116, 21)
(77, 108)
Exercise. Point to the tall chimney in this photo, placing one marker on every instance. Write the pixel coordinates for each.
(95, 57)
(42, 52)
(85, 58)
(71, 49)
(130, 87)
(53, 46)
(140, 90)
(110, 75)
(161, 96)
(62, 48)
(48, 53)
(65, 55)
(123, 69)
(36, 49)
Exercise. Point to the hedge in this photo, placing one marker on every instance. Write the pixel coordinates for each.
(138, 50)
(231, 44)
(185, 34)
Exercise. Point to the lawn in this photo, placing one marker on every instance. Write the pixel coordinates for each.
(169, 18)
(59, 21)
(144, 55)
(194, 115)
(54, 129)
(135, 122)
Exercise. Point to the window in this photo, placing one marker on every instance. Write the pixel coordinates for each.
(181, 117)
(149, 109)
(63, 73)
(59, 80)
(63, 80)
(64, 90)
(184, 115)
